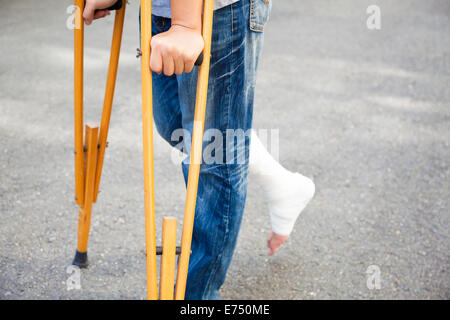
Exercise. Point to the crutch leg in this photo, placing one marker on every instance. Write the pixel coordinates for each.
(167, 276)
(78, 101)
(196, 152)
(109, 93)
(84, 219)
(147, 126)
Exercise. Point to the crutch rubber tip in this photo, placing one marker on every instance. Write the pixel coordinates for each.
(81, 259)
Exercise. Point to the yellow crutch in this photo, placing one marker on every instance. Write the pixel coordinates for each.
(90, 150)
(169, 224)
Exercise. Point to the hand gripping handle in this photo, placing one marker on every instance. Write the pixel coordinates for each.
(118, 6)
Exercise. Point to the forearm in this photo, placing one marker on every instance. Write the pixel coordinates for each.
(187, 13)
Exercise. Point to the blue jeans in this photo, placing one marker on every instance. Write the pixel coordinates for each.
(236, 45)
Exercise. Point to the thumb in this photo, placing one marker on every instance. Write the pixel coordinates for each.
(88, 13)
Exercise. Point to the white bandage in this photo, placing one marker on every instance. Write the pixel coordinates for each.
(287, 193)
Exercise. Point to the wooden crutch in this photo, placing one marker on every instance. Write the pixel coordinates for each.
(169, 224)
(90, 150)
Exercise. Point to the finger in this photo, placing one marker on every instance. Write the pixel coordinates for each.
(168, 64)
(88, 13)
(100, 14)
(179, 65)
(156, 64)
(188, 66)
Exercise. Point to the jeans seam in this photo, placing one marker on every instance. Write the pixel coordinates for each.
(232, 20)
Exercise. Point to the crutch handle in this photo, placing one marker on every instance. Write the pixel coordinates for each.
(118, 6)
(115, 6)
(199, 60)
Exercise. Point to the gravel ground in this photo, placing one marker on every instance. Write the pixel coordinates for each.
(365, 113)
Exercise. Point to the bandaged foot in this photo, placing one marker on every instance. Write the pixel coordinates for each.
(287, 193)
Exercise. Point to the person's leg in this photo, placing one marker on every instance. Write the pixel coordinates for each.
(222, 185)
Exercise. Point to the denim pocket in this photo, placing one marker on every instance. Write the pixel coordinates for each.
(259, 14)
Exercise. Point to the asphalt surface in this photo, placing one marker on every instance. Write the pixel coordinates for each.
(365, 113)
